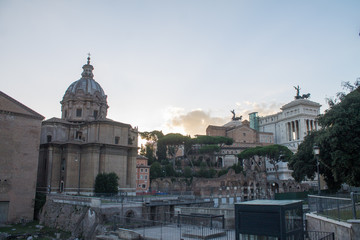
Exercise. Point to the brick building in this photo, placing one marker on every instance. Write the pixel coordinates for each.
(20, 133)
(244, 137)
(142, 174)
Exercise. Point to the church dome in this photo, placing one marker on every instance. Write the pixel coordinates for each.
(84, 100)
(86, 84)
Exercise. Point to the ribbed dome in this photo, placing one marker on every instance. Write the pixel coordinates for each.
(84, 100)
(87, 84)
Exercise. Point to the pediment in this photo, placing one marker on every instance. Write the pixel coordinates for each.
(8, 104)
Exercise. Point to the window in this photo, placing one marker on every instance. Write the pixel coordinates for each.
(63, 164)
(141, 177)
(244, 134)
(49, 138)
(78, 112)
(95, 114)
(117, 140)
(145, 177)
(78, 135)
(145, 169)
(143, 186)
(65, 113)
(141, 170)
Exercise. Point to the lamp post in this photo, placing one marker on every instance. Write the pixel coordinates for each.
(317, 153)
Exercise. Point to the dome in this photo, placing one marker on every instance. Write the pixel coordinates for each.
(86, 84)
(84, 100)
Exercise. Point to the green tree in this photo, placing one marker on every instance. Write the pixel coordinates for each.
(171, 142)
(303, 162)
(223, 172)
(238, 168)
(148, 152)
(169, 170)
(209, 149)
(209, 145)
(153, 138)
(106, 183)
(156, 170)
(187, 172)
(203, 170)
(339, 143)
(274, 154)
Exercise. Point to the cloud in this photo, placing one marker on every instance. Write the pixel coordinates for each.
(263, 109)
(196, 121)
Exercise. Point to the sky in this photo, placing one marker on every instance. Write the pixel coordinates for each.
(179, 65)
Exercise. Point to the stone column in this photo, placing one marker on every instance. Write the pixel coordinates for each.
(49, 170)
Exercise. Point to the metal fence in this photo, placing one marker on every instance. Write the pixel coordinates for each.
(339, 208)
(171, 230)
(311, 235)
(124, 197)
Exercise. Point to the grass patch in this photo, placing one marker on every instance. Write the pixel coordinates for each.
(22, 231)
(342, 214)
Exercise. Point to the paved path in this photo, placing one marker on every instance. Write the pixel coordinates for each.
(172, 232)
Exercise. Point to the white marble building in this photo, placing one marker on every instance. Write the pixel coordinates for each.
(290, 127)
(293, 123)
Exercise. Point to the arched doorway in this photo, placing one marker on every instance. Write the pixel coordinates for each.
(274, 187)
(129, 215)
(219, 162)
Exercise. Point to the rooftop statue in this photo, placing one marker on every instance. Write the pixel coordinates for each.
(234, 118)
(298, 96)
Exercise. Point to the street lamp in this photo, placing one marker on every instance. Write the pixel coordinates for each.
(317, 153)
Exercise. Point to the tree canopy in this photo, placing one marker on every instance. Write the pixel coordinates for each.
(171, 142)
(106, 183)
(156, 170)
(339, 143)
(212, 140)
(274, 152)
(151, 136)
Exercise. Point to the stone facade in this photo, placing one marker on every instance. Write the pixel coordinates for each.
(293, 123)
(290, 127)
(20, 133)
(84, 143)
(244, 137)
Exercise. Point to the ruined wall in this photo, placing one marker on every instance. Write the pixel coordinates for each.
(81, 221)
(249, 185)
(85, 217)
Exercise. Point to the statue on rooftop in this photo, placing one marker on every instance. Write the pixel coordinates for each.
(234, 118)
(298, 96)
